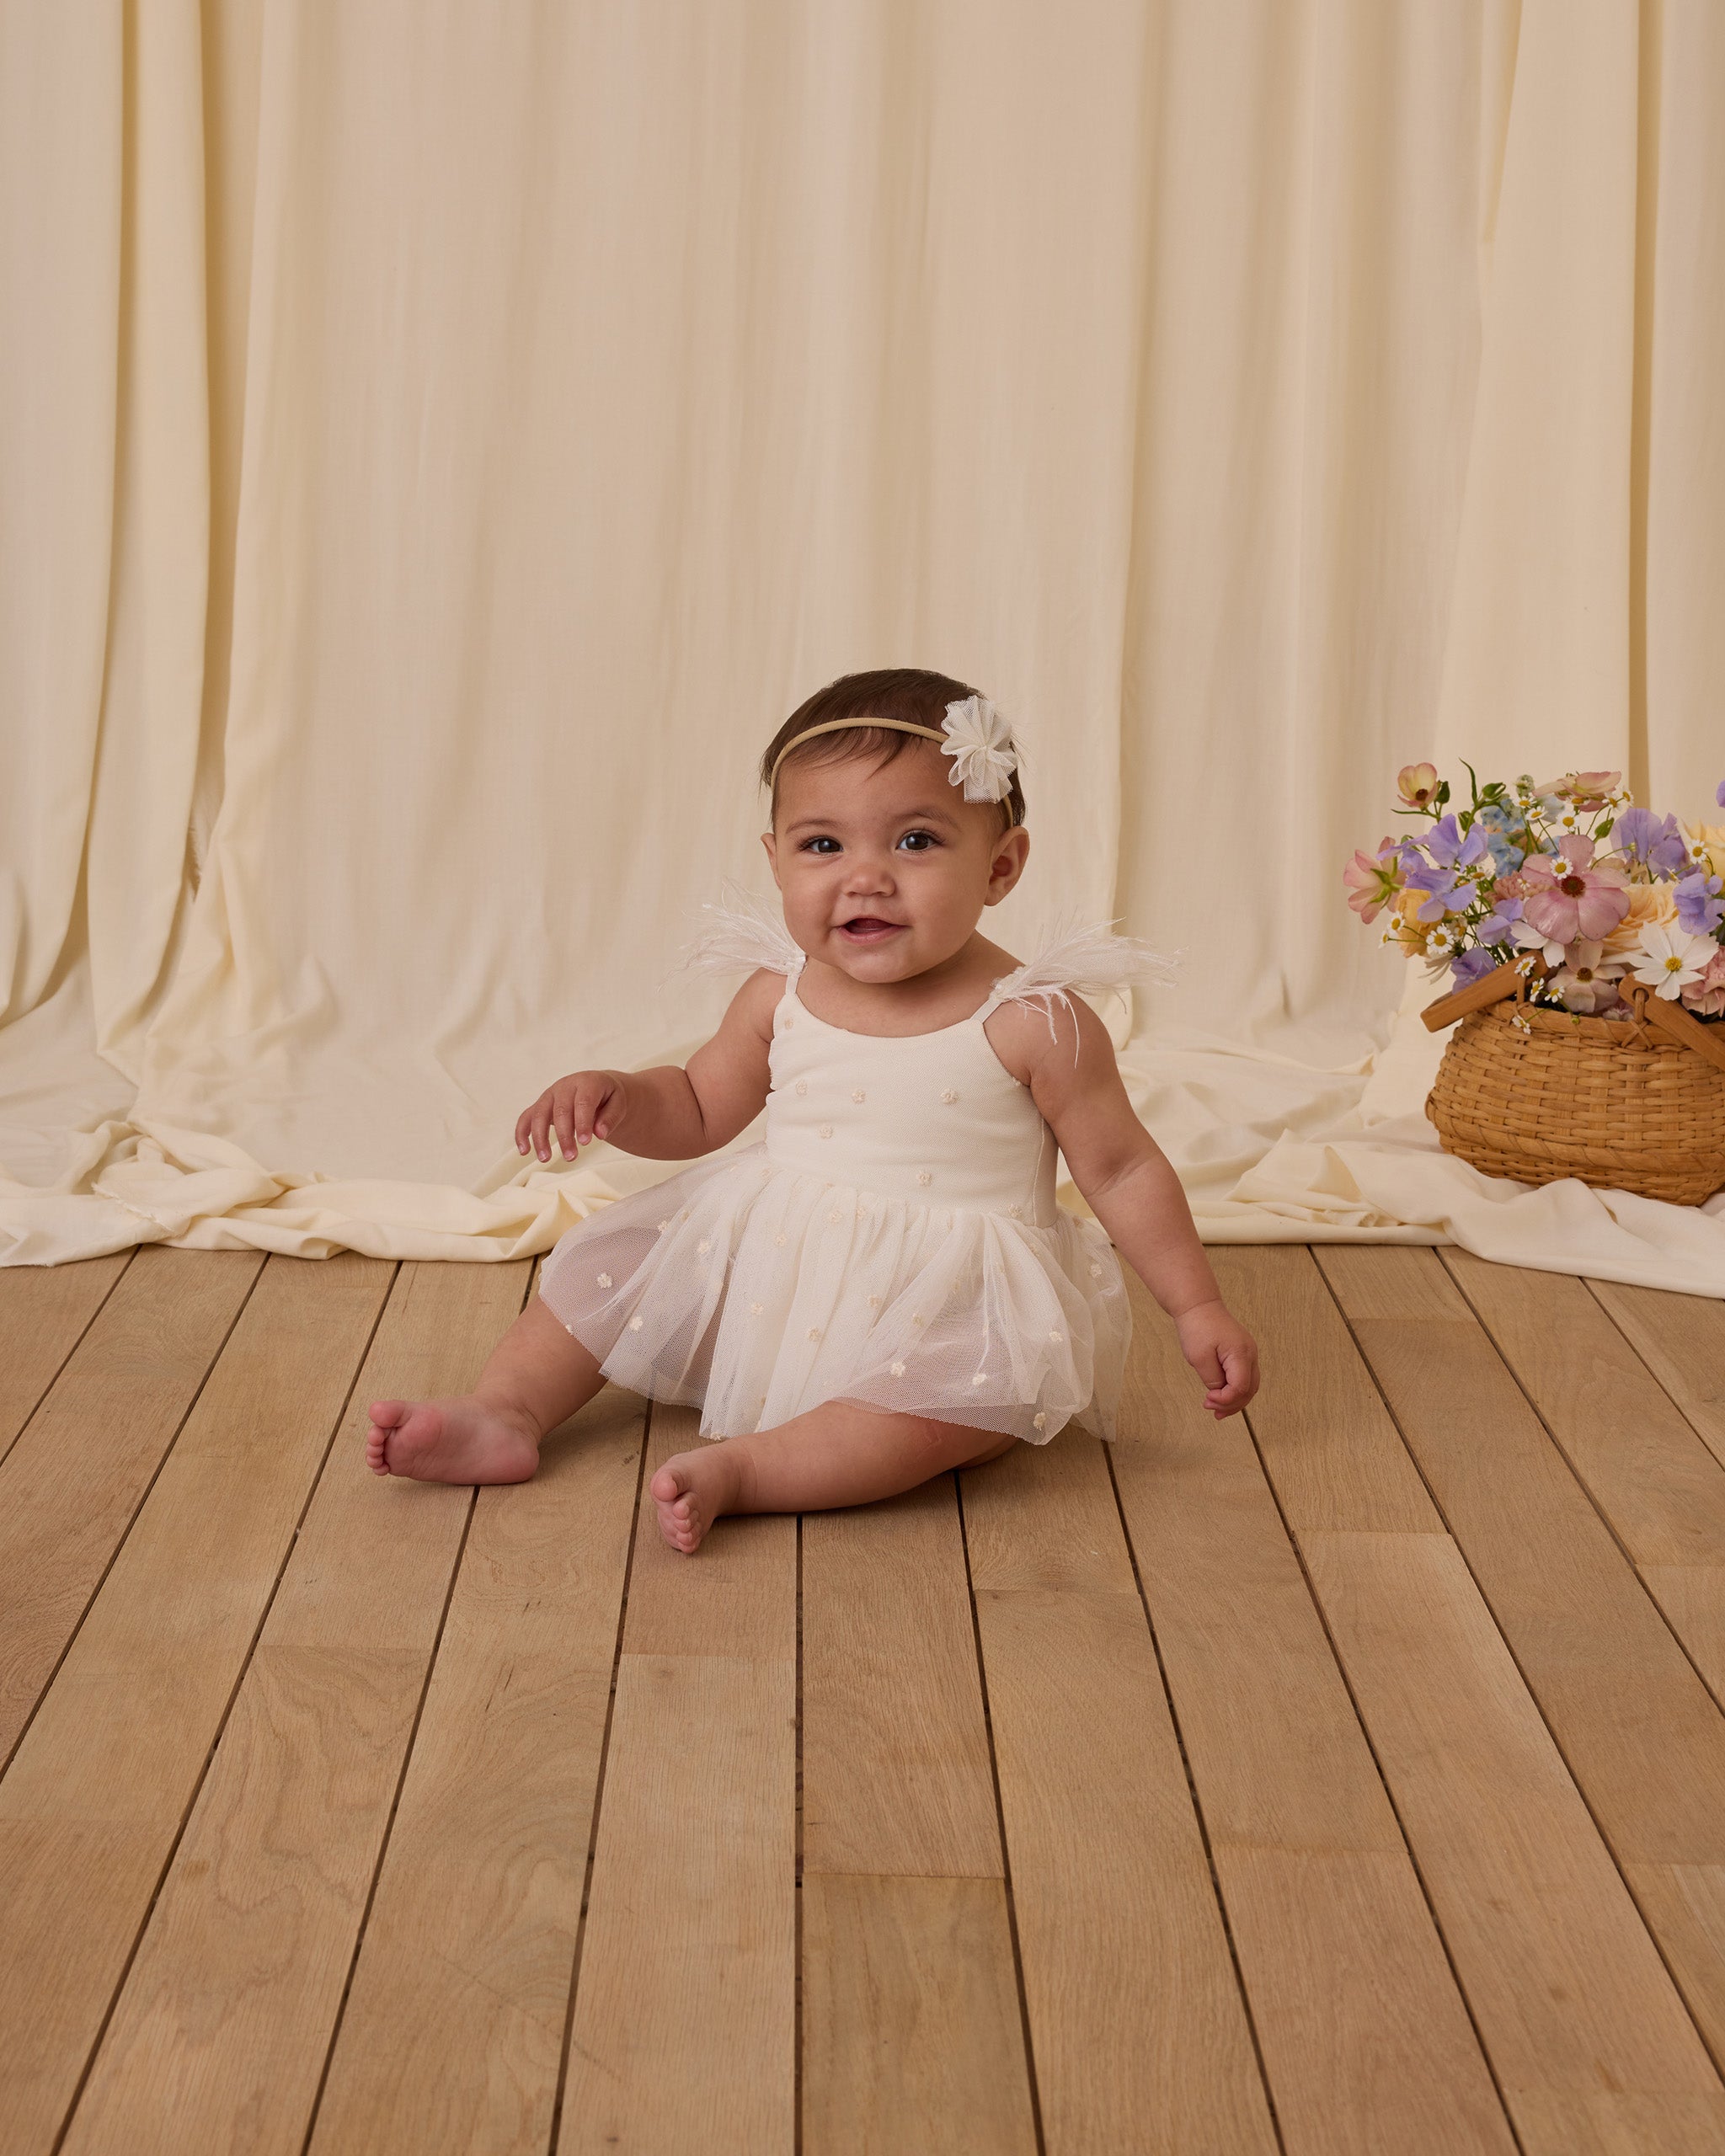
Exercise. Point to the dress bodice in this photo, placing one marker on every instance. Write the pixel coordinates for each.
(934, 1118)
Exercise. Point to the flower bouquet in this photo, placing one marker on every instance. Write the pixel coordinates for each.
(1585, 938)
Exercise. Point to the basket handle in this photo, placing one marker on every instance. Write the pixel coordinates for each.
(1676, 1024)
(1508, 979)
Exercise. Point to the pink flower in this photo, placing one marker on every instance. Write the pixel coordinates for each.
(1588, 981)
(1706, 997)
(1566, 899)
(1586, 789)
(1417, 783)
(1372, 881)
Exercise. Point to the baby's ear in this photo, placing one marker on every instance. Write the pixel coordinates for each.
(1011, 851)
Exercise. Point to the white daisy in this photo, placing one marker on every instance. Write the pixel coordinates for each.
(1669, 958)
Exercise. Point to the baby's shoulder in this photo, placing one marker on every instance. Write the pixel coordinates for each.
(1035, 1015)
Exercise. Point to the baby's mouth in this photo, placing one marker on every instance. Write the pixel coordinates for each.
(869, 928)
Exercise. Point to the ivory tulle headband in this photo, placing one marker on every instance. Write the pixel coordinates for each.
(973, 734)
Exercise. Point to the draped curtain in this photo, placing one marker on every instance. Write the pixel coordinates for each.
(441, 440)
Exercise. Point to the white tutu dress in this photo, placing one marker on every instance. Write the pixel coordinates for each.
(893, 1239)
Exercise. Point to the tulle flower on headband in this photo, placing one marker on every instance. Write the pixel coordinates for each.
(980, 743)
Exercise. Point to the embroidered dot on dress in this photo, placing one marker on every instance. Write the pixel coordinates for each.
(948, 1096)
(802, 1085)
(834, 1218)
(635, 1322)
(603, 1279)
(1038, 1423)
(826, 1130)
(702, 1247)
(898, 1369)
(925, 1176)
(857, 1093)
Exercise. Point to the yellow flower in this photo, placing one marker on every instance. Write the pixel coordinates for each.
(1417, 783)
(1650, 905)
(1403, 931)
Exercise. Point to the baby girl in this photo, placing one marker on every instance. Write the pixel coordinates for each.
(883, 1288)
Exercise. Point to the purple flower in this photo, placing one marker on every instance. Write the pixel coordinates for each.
(1439, 886)
(1468, 966)
(1699, 909)
(1642, 836)
(1720, 795)
(1497, 923)
(1445, 845)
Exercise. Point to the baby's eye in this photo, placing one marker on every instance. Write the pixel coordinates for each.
(809, 846)
(928, 836)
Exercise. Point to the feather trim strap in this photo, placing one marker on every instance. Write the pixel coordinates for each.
(1085, 954)
(740, 933)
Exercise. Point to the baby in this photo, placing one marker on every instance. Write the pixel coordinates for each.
(883, 1289)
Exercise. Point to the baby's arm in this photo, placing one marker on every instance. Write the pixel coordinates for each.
(667, 1113)
(1130, 1185)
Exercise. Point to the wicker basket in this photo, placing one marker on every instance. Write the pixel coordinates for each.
(1607, 1101)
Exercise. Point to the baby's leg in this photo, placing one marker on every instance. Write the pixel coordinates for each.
(838, 1453)
(538, 1375)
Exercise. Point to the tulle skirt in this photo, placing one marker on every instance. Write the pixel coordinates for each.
(757, 1293)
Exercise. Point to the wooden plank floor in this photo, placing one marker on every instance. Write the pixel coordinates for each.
(1346, 1777)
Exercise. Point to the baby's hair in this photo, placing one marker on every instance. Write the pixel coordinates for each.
(903, 692)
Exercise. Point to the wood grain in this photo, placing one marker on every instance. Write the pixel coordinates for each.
(71, 1485)
(230, 2002)
(1139, 2035)
(1365, 2039)
(1331, 1451)
(452, 2036)
(1681, 1339)
(1660, 1489)
(1642, 1737)
(44, 1310)
(1479, 1786)
(1592, 2048)
(912, 2033)
(97, 1791)
(684, 2023)
(896, 1773)
(911, 2023)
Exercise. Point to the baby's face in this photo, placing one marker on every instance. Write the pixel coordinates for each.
(884, 869)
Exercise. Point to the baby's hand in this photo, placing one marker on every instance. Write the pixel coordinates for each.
(1224, 1354)
(584, 1106)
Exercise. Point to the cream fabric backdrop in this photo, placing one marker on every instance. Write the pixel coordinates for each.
(441, 442)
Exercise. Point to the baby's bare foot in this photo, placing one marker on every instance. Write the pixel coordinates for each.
(691, 1490)
(465, 1440)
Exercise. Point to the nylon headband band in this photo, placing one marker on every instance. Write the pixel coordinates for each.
(832, 725)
